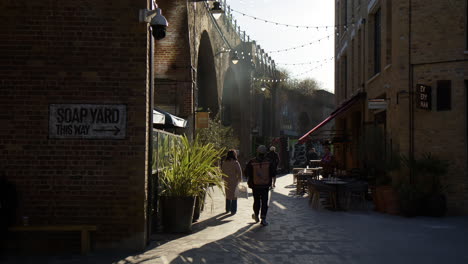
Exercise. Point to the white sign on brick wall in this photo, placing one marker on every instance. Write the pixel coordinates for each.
(87, 121)
(377, 104)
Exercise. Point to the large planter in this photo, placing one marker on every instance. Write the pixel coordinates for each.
(377, 197)
(177, 213)
(387, 200)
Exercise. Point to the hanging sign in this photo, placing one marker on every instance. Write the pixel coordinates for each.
(377, 104)
(424, 96)
(87, 121)
(201, 119)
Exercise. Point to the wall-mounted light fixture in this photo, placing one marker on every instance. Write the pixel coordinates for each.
(234, 58)
(216, 11)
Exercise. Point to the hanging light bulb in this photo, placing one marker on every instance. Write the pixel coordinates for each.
(217, 11)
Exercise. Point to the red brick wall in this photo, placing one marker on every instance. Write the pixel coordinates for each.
(172, 59)
(75, 52)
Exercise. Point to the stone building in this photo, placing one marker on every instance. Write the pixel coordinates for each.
(401, 69)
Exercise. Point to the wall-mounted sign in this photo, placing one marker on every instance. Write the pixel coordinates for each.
(87, 121)
(201, 119)
(377, 104)
(424, 96)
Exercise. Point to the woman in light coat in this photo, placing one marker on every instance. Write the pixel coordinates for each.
(233, 171)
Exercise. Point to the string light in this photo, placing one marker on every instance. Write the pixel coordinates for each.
(303, 63)
(293, 77)
(301, 46)
(263, 56)
(290, 25)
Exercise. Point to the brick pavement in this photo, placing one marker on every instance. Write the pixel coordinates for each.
(298, 234)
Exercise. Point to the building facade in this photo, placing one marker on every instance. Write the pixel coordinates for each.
(78, 85)
(74, 98)
(408, 60)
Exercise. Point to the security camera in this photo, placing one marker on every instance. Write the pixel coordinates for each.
(156, 20)
(158, 25)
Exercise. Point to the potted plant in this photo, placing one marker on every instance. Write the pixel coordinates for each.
(426, 190)
(381, 167)
(191, 167)
(386, 171)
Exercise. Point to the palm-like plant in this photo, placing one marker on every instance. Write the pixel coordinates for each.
(190, 168)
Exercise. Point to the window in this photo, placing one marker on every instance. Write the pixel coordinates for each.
(444, 95)
(377, 41)
(359, 59)
(352, 59)
(345, 12)
(345, 76)
(466, 25)
(389, 33)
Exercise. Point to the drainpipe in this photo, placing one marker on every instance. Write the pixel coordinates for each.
(150, 76)
(193, 70)
(411, 95)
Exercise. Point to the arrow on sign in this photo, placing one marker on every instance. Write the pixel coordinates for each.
(116, 130)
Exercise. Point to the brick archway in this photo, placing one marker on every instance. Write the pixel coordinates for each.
(207, 89)
(231, 114)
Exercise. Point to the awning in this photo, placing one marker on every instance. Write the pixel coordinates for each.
(342, 108)
(163, 119)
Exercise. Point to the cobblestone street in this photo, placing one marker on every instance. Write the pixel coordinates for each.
(299, 234)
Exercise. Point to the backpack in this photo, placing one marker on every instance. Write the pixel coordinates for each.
(261, 173)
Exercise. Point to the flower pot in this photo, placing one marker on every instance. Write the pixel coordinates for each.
(390, 200)
(377, 196)
(387, 200)
(177, 213)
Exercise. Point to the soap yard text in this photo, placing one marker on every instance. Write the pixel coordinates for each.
(87, 121)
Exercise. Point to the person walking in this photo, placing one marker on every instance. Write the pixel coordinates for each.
(260, 173)
(232, 169)
(273, 157)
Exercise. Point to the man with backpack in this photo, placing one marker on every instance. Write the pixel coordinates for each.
(260, 173)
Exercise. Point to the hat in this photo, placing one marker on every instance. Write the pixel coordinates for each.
(272, 148)
(261, 149)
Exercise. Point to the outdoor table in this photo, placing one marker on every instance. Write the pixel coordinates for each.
(295, 171)
(336, 183)
(310, 173)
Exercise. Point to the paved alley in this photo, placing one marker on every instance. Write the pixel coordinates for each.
(299, 234)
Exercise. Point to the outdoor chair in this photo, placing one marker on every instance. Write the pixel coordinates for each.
(319, 191)
(301, 183)
(356, 192)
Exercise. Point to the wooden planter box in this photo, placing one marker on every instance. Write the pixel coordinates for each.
(387, 200)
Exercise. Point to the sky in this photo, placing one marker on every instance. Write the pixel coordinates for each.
(313, 13)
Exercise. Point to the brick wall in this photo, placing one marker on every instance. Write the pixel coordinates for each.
(436, 53)
(75, 52)
(172, 60)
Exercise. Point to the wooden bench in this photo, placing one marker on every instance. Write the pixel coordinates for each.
(84, 229)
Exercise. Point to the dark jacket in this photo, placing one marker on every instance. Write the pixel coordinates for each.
(273, 157)
(312, 156)
(259, 172)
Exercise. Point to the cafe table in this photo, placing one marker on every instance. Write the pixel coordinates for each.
(337, 183)
(303, 177)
